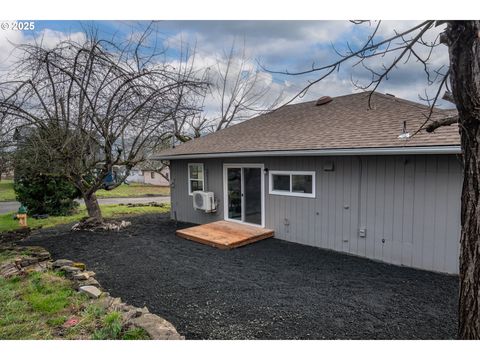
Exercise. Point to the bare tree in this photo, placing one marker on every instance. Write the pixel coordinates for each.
(101, 104)
(238, 91)
(463, 75)
(6, 143)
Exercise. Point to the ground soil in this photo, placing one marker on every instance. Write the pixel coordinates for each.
(268, 290)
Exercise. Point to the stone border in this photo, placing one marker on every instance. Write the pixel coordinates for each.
(84, 281)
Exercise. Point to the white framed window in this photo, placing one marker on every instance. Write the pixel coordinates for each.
(292, 183)
(196, 177)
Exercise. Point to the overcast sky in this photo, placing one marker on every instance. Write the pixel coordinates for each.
(277, 45)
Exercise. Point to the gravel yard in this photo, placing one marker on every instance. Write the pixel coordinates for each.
(267, 290)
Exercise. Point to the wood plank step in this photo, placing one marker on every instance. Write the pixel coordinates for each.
(225, 234)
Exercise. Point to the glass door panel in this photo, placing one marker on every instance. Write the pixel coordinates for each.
(252, 187)
(234, 190)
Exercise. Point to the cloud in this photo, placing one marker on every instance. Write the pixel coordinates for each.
(10, 39)
(296, 45)
(277, 45)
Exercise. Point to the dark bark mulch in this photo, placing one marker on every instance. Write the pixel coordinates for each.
(10, 237)
(272, 289)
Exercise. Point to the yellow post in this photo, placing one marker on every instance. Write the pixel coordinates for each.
(22, 218)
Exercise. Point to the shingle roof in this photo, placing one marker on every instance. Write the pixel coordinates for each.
(344, 123)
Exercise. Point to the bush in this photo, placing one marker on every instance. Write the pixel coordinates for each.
(112, 327)
(44, 194)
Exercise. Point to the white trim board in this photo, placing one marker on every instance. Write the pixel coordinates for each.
(406, 150)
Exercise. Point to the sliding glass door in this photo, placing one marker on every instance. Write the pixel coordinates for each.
(244, 193)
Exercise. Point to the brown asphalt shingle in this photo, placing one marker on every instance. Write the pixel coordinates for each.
(344, 123)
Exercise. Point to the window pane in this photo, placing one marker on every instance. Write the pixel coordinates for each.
(234, 186)
(196, 185)
(196, 172)
(302, 184)
(281, 182)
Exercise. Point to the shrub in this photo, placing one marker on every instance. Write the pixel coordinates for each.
(112, 327)
(44, 194)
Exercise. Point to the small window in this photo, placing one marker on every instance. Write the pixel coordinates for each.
(196, 178)
(152, 175)
(293, 183)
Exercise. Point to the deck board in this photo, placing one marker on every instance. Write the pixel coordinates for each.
(225, 234)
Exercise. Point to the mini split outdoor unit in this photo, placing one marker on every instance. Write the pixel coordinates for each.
(204, 200)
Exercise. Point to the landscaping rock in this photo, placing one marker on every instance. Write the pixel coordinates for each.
(38, 267)
(90, 281)
(105, 302)
(90, 224)
(70, 269)
(79, 265)
(9, 270)
(91, 291)
(26, 261)
(83, 275)
(128, 316)
(62, 262)
(156, 327)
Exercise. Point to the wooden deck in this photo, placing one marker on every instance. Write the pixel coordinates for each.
(225, 234)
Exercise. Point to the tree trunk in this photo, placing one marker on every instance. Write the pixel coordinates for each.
(93, 208)
(464, 50)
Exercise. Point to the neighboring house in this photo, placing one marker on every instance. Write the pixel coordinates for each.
(336, 175)
(151, 177)
(136, 176)
(154, 178)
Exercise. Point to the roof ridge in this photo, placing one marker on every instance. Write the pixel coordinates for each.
(410, 102)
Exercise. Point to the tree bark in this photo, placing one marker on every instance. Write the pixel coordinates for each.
(93, 208)
(464, 52)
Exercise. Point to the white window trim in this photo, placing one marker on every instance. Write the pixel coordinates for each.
(290, 193)
(189, 179)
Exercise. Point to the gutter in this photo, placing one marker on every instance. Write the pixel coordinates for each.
(405, 150)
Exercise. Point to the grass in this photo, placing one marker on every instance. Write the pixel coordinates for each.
(134, 190)
(6, 190)
(123, 191)
(38, 305)
(7, 223)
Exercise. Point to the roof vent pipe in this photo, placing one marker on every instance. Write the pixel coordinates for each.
(323, 100)
(405, 135)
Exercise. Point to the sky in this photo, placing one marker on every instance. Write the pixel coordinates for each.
(287, 46)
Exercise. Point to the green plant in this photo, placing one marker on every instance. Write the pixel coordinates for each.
(112, 327)
(135, 334)
(45, 194)
(48, 294)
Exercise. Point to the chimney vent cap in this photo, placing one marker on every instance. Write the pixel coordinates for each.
(323, 100)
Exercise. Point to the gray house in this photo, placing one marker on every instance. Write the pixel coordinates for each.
(334, 174)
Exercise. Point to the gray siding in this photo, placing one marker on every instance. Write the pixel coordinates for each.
(409, 205)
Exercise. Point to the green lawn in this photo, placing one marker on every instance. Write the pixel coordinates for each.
(134, 190)
(37, 306)
(6, 190)
(7, 222)
(123, 191)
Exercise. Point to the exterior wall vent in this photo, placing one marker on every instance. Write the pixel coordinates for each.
(323, 100)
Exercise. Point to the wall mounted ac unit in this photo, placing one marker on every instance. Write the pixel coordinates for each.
(204, 200)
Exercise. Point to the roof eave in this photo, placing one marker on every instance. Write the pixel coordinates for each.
(404, 150)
